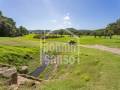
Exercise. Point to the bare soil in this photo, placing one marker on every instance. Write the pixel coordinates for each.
(104, 48)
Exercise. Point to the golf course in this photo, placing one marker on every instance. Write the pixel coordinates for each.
(59, 45)
(97, 69)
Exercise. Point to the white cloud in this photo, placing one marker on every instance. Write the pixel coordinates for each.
(67, 20)
(53, 21)
(64, 22)
(66, 17)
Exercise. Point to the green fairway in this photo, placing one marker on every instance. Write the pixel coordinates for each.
(59, 45)
(91, 40)
(97, 70)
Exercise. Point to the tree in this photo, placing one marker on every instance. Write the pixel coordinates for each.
(22, 31)
(110, 29)
(118, 27)
(8, 27)
(0, 13)
(114, 28)
(61, 32)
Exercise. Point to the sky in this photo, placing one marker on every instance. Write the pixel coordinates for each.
(56, 14)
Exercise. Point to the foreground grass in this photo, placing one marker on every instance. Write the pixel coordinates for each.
(20, 51)
(97, 70)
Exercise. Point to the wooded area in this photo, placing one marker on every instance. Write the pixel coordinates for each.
(8, 27)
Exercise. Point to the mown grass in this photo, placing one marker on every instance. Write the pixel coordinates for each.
(20, 51)
(114, 42)
(97, 70)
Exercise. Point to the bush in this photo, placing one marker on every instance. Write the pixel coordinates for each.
(72, 42)
(39, 36)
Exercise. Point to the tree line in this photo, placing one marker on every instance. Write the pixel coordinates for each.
(8, 27)
(110, 30)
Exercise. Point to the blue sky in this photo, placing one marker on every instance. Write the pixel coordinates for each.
(55, 14)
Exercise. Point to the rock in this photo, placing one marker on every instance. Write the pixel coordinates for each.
(24, 70)
(10, 73)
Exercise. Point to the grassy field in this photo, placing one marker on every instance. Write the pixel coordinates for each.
(114, 42)
(96, 70)
(20, 51)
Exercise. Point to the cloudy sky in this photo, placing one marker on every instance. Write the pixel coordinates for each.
(55, 14)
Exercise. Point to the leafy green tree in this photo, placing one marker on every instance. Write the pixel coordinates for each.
(118, 27)
(0, 13)
(61, 32)
(98, 32)
(110, 29)
(22, 31)
(8, 27)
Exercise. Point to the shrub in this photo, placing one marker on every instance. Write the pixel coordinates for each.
(39, 36)
(72, 42)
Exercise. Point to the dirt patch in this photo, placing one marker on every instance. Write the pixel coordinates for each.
(22, 81)
(104, 48)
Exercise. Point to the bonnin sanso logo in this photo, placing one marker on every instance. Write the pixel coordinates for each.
(54, 51)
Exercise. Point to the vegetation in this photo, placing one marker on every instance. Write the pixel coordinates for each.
(97, 70)
(90, 40)
(72, 42)
(45, 36)
(113, 28)
(19, 51)
(8, 27)
(109, 31)
(90, 69)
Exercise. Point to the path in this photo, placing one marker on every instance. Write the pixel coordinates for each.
(104, 48)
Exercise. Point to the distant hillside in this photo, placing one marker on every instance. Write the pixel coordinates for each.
(68, 30)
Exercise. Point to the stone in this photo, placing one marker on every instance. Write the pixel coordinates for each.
(24, 70)
(10, 73)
